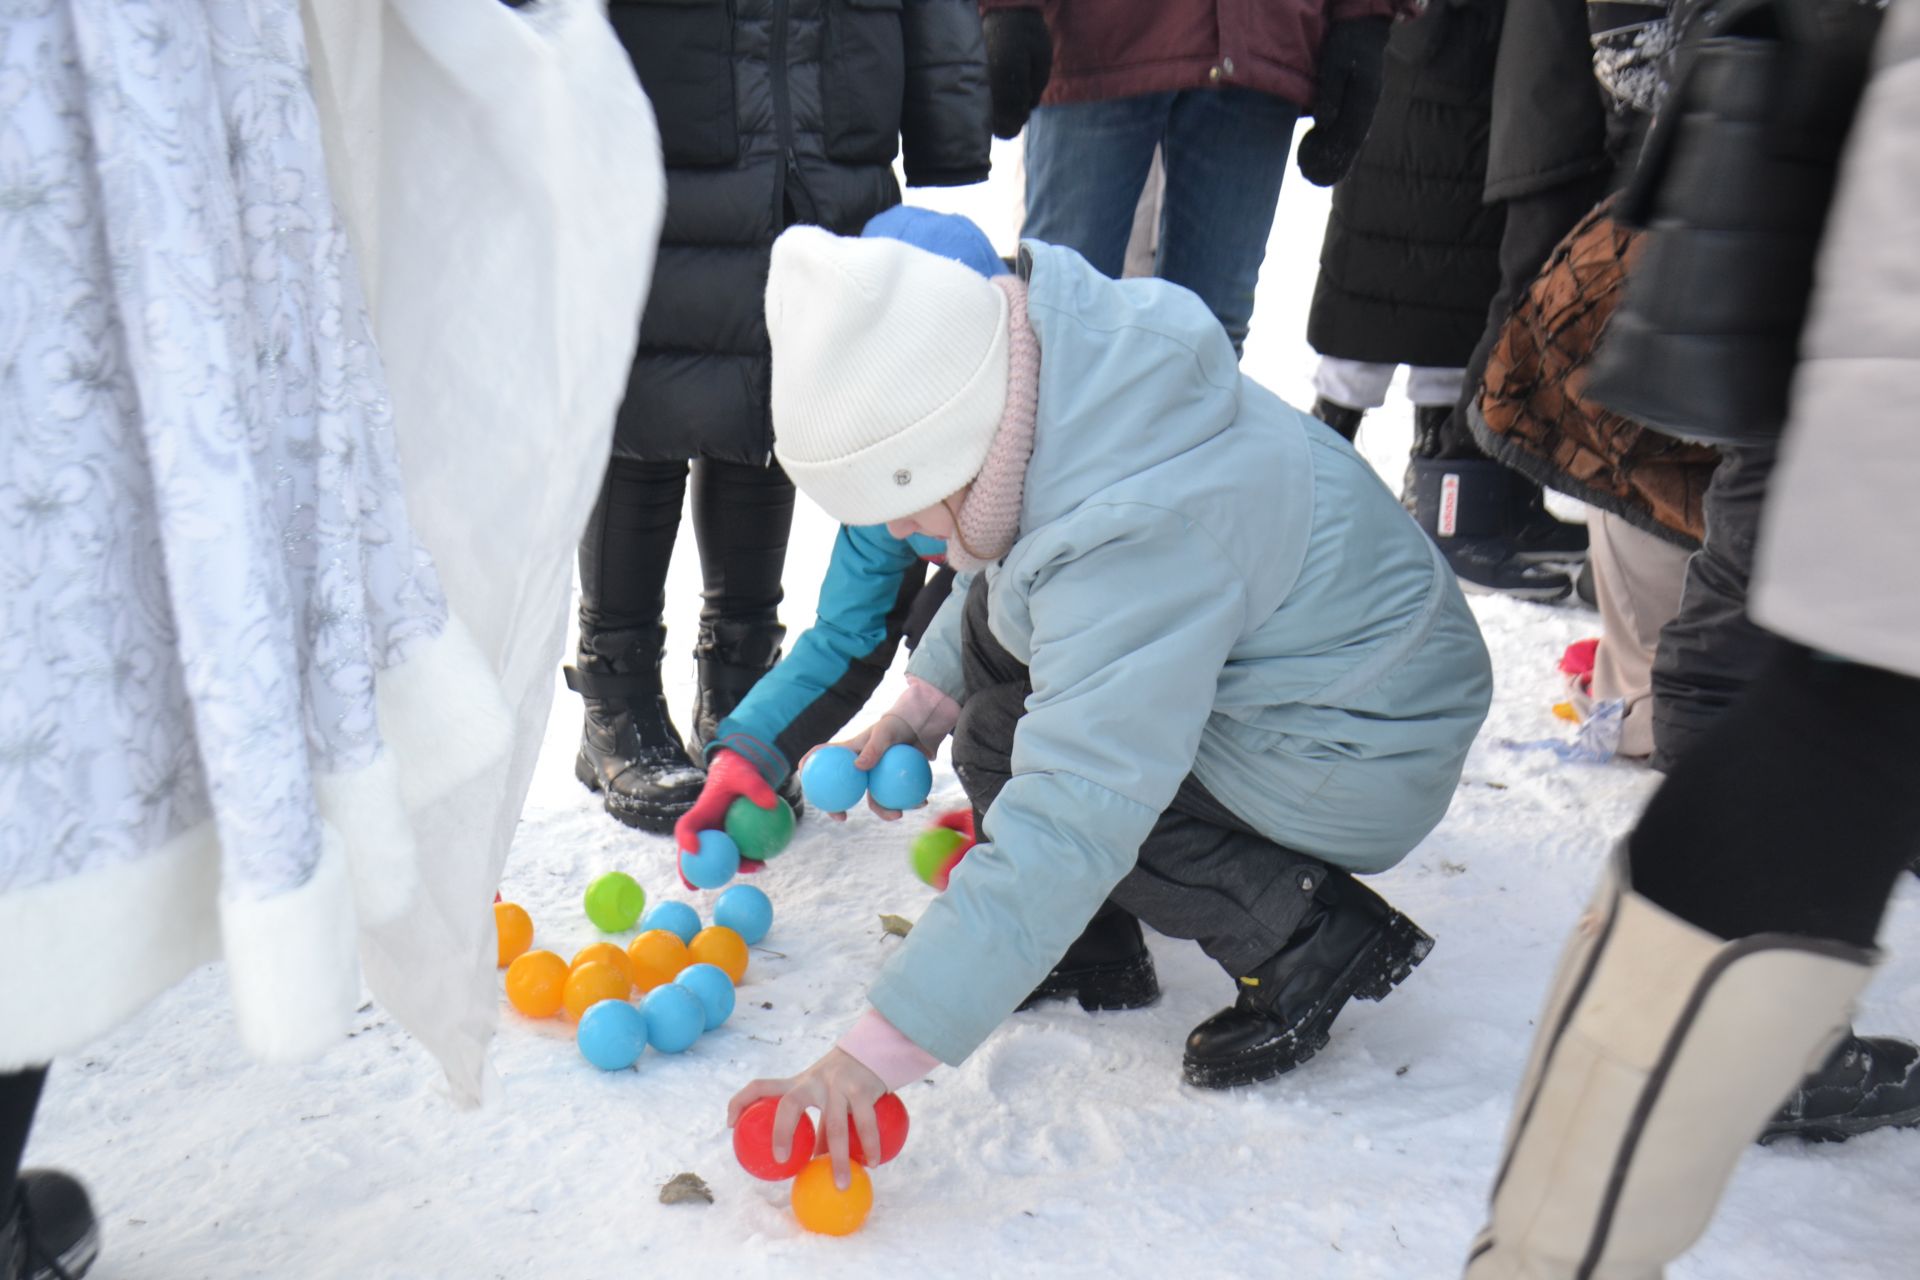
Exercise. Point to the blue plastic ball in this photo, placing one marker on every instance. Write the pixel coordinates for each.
(902, 778)
(612, 1033)
(675, 1017)
(675, 917)
(715, 862)
(830, 782)
(713, 988)
(745, 910)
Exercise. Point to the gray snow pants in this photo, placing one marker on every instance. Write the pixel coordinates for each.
(1202, 873)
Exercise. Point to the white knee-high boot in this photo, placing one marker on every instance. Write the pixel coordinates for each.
(1662, 1052)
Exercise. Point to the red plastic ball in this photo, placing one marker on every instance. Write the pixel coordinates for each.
(891, 1115)
(753, 1143)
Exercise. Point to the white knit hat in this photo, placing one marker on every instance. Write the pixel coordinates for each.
(889, 372)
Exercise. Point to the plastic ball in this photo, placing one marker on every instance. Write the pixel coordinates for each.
(611, 1035)
(753, 1143)
(590, 984)
(513, 930)
(935, 853)
(656, 958)
(760, 833)
(830, 781)
(745, 910)
(713, 988)
(902, 778)
(721, 946)
(676, 918)
(603, 953)
(615, 901)
(891, 1115)
(714, 863)
(535, 982)
(823, 1207)
(675, 1018)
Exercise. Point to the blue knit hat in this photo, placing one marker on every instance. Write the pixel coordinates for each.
(948, 234)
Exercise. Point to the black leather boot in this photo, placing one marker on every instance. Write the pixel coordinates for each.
(629, 749)
(1107, 967)
(1866, 1083)
(1342, 418)
(49, 1232)
(732, 657)
(1352, 945)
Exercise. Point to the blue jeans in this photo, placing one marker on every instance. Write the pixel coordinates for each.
(1225, 150)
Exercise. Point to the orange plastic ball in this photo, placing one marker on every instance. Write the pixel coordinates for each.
(823, 1207)
(591, 983)
(513, 929)
(535, 982)
(721, 946)
(656, 958)
(603, 953)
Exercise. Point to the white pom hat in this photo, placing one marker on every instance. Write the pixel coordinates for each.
(889, 372)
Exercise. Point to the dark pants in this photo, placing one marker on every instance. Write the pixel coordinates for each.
(1202, 873)
(1796, 810)
(741, 518)
(1710, 652)
(19, 1096)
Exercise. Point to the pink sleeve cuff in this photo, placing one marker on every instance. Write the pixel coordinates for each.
(929, 712)
(875, 1044)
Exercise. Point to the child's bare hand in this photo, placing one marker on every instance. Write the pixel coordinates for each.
(840, 1089)
(870, 744)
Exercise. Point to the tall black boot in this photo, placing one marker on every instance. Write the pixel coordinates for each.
(1351, 945)
(629, 750)
(1107, 967)
(732, 656)
(1342, 418)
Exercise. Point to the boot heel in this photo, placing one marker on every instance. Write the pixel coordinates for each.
(1406, 944)
(1130, 986)
(584, 771)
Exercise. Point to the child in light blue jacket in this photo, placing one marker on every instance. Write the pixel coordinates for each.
(1204, 670)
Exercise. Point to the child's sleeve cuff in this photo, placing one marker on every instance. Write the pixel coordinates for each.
(875, 1044)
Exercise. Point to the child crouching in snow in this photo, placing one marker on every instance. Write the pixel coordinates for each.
(1204, 670)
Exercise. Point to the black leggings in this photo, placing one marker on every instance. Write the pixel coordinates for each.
(19, 1095)
(1796, 810)
(741, 518)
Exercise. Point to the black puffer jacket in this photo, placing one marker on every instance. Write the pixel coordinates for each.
(774, 112)
(1411, 255)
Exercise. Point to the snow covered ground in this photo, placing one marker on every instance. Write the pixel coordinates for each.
(1066, 1147)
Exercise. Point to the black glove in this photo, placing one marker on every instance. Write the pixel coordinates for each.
(1349, 87)
(1019, 61)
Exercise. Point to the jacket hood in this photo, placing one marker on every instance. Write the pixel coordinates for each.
(1132, 373)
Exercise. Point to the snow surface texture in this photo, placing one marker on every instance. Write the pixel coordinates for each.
(1066, 1147)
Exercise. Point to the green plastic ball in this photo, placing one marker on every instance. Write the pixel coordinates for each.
(615, 901)
(933, 854)
(760, 833)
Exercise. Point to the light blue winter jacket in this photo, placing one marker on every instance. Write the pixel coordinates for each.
(1205, 580)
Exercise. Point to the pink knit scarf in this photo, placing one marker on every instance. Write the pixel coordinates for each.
(989, 519)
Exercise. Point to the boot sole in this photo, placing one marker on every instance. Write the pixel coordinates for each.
(657, 822)
(1131, 984)
(1536, 595)
(1839, 1128)
(1372, 975)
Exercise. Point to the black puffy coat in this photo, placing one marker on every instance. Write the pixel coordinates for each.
(774, 112)
(1411, 254)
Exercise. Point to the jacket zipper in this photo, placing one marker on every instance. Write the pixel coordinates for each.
(782, 110)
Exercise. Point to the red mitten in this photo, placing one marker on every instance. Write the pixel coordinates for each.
(729, 776)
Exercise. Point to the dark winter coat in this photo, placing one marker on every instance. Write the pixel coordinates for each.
(1411, 255)
(774, 112)
(1549, 116)
(1121, 48)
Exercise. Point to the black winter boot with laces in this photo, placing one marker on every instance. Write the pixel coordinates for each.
(1107, 967)
(1866, 1083)
(629, 750)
